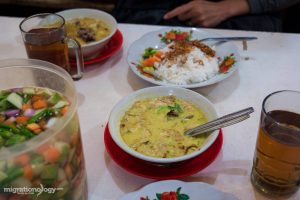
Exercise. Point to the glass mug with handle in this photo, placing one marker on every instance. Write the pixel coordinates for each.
(276, 164)
(45, 39)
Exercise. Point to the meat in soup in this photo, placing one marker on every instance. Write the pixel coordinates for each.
(86, 30)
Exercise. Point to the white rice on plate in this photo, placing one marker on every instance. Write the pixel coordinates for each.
(193, 67)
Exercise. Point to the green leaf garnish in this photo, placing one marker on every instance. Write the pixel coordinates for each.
(149, 52)
(176, 108)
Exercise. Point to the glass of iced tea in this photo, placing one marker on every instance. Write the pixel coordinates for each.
(45, 39)
(276, 164)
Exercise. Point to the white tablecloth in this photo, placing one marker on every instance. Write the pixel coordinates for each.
(270, 64)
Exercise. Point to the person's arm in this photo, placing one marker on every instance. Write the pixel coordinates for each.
(267, 6)
(208, 14)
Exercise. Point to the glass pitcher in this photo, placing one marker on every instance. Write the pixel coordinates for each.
(25, 173)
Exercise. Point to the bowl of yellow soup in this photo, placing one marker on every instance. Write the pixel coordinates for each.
(91, 28)
(149, 124)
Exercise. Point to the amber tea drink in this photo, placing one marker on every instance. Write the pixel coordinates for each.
(276, 164)
(45, 39)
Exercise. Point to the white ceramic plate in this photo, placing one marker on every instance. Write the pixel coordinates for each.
(152, 39)
(195, 190)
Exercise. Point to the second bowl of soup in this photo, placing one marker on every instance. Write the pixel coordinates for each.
(91, 28)
(149, 124)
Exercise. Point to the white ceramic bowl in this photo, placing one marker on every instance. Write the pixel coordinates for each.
(122, 106)
(92, 49)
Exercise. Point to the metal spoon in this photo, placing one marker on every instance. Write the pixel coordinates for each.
(221, 122)
(226, 39)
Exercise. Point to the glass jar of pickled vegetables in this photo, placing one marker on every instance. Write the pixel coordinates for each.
(41, 154)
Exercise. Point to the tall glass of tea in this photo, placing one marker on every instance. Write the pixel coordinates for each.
(45, 39)
(276, 164)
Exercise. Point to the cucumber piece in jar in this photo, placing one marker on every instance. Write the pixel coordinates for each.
(2, 165)
(64, 148)
(47, 92)
(10, 164)
(3, 101)
(5, 134)
(3, 94)
(15, 100)
(15, 139)
(60, 104)
(65, 188)
(49, 174)
(37, 165)
(54, 98)
(4, 105)
(2, 176)
(12, 174)
(21, 182)
(28, 90)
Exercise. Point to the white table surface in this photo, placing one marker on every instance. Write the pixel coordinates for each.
(271, 63)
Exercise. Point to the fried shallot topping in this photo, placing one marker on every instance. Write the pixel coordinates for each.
(177, 49)
(203, 47)
(184, 47)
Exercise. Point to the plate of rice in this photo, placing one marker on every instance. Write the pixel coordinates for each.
(177, 57)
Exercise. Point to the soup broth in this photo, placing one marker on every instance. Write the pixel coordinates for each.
(86, 30)
(155, 127)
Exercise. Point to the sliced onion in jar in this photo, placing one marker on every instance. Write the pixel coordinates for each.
(16, 90)
(29, 112)
(11, 119)
(51, 122)
(12, 113)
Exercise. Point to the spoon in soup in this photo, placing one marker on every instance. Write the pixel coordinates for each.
(221, 122)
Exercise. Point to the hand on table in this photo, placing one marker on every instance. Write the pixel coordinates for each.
(208, 14)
